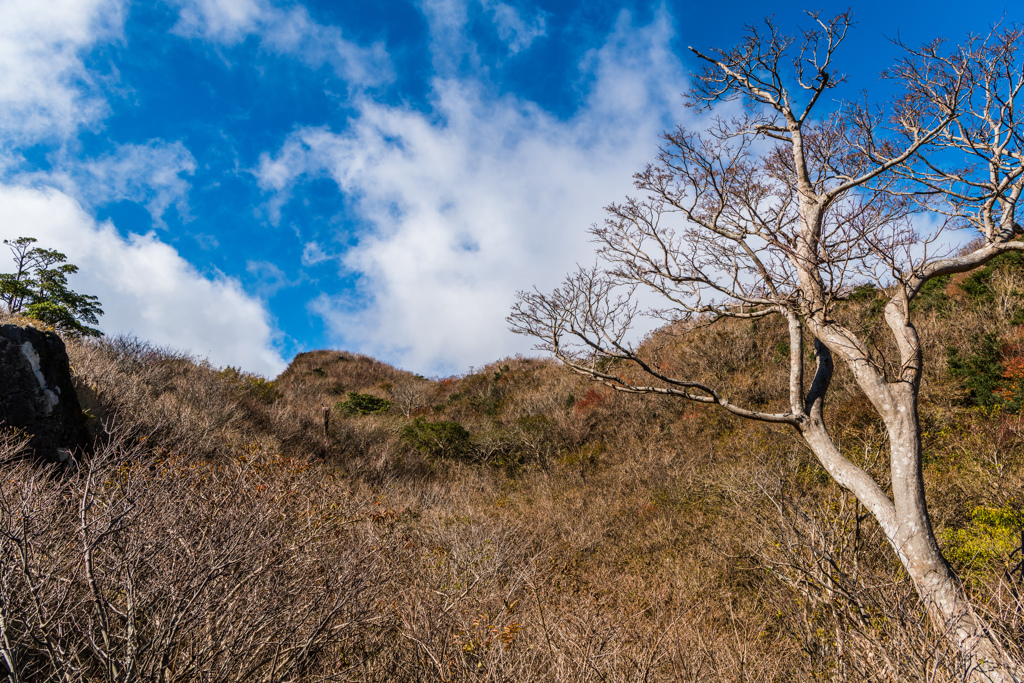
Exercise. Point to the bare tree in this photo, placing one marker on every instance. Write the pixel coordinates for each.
(779, 212)
(412, 394)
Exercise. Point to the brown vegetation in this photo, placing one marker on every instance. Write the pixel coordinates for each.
(225, 531)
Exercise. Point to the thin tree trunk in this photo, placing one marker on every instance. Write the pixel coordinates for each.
(907, 527)
(914, 540)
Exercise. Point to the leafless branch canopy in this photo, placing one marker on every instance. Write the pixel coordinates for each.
(975, 164)
(722, 227)
(781, 210)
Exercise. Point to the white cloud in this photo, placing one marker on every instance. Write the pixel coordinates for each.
(270, 278)
(291, 32)
(512, 28)
(47, 95)
(448, 21)
(46, 91)
(223, 21)
(313, 254)
(149, 174)
(479, 199)
(144, 285)
(448, 43)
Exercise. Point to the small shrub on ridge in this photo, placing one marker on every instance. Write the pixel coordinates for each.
(438, 439)
(364, 404)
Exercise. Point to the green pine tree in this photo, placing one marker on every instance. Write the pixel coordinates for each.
(38, 288)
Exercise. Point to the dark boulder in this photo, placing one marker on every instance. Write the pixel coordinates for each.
(37, 395)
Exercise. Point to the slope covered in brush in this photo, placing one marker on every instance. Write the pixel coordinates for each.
(517, 522)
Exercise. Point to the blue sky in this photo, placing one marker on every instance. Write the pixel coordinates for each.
(249, 179)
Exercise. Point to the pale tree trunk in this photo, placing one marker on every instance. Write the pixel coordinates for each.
(904, 518)
(908, 530)
(914, 542)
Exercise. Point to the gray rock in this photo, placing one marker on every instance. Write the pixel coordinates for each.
(37, 395)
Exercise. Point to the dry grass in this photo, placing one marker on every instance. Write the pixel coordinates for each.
(235, 535)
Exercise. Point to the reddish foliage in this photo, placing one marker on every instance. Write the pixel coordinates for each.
(1013, 370)
(592, 399)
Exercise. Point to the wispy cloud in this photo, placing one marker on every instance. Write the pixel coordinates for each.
(289, 31)
(479, 199)
(518, 33)
(447, 20)
(48, 95)
(450, 44)
(270, 278)
(313, 254)
(151, 174)
(223, 21)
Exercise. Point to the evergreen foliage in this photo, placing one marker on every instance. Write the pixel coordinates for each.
(251, 384)
(38, 288)
(993, 536)
(978, 285)
(438, 439)
(932, 296)
(980, 370)
(364, 404)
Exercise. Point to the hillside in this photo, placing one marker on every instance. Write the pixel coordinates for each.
(353, 521)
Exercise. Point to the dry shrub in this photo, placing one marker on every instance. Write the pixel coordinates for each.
(372, 449)
(620, 539)
(314, 375)
(264, 569)
(180, 403)
(843, 598)
(178, 571)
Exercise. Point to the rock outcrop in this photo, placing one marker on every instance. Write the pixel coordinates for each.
(37, 395)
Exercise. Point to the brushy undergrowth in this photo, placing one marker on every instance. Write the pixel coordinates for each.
(512, 524)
